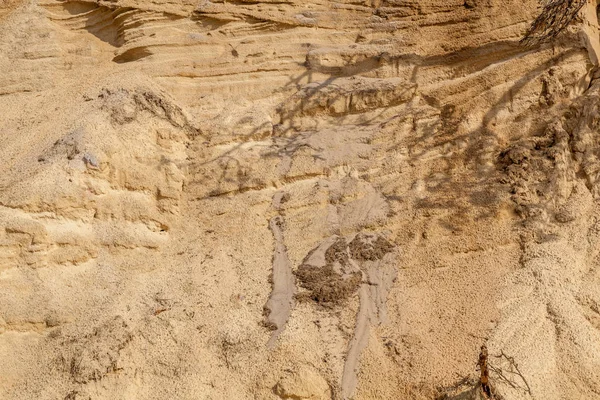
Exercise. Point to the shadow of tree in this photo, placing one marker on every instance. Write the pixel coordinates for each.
(460, 190)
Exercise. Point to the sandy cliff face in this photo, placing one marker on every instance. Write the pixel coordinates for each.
(295, 200)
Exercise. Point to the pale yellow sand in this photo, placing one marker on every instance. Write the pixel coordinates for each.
(164, 165)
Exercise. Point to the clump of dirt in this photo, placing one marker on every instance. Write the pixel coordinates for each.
(326, 286)
(540, 172)
(338, 274)
(337, 252)
(548, 173)
(368, 247)
(334, 282)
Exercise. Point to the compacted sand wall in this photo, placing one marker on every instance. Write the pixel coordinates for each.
(296, 200)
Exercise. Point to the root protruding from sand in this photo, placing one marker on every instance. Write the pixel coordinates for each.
(486, 387)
